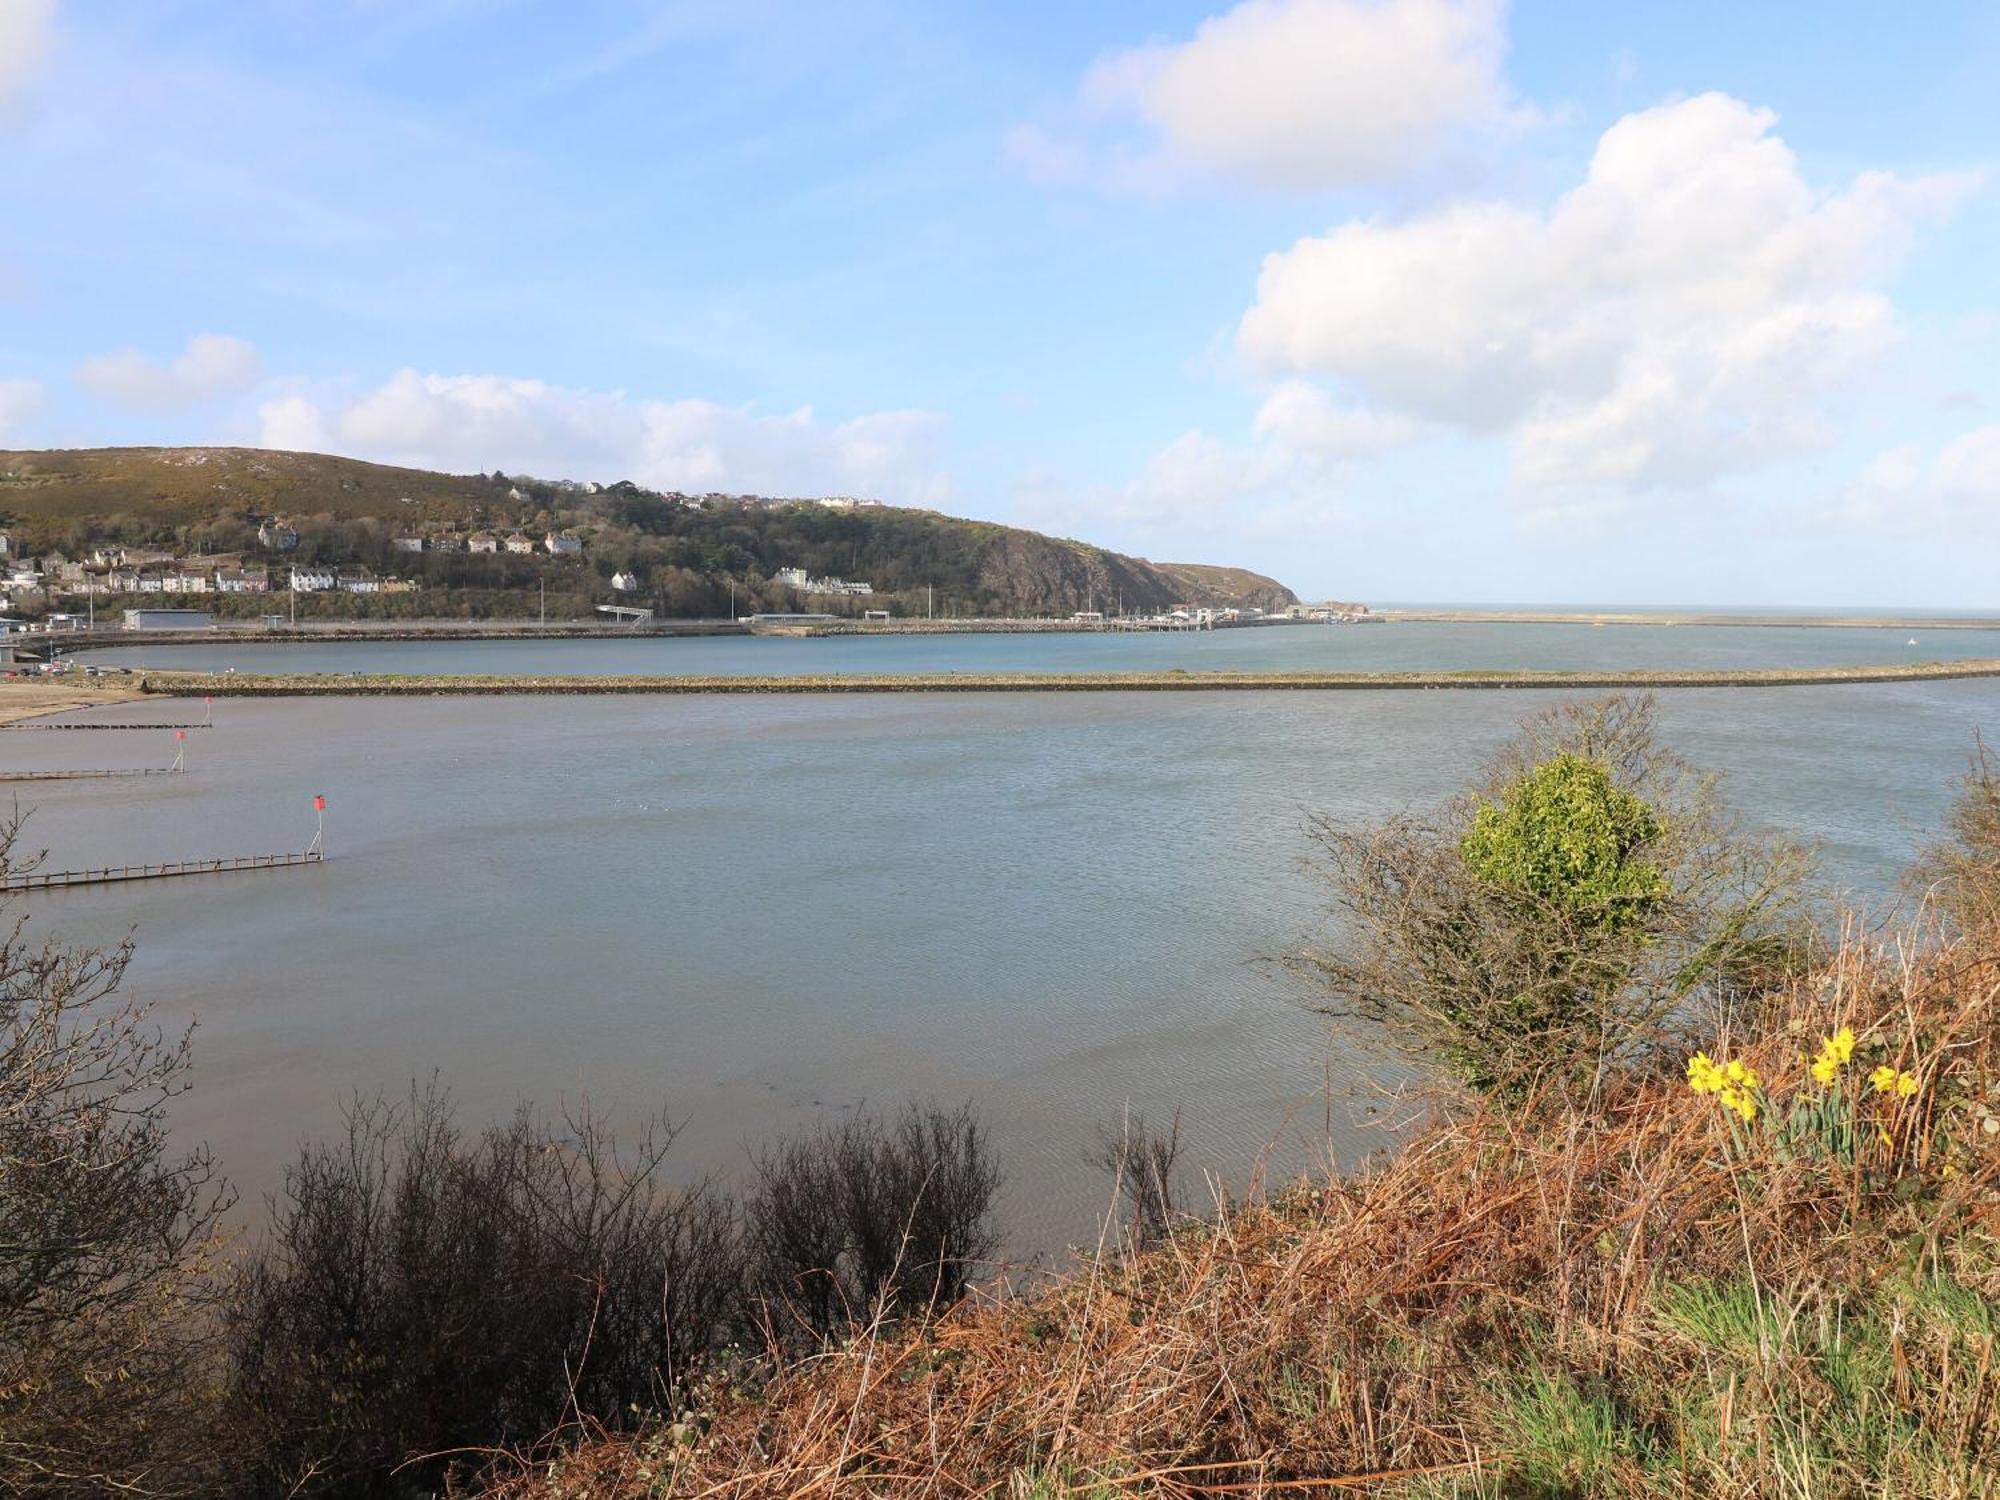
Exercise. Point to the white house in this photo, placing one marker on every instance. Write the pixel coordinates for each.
(6, 545)
(482, 541)
(562, 544)
(521, 544)
(624, 583)
(277, 536)
(359, 581)
(313, 580)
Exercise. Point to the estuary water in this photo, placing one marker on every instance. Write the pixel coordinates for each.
(1399, 647)
(758, 912)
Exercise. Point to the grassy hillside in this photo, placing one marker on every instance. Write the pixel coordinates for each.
(691, 555)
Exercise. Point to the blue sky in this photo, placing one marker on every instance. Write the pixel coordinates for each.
(1392, 299)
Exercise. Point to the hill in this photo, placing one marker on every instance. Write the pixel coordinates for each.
(687, 554)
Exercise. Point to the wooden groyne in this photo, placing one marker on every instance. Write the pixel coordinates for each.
(36, 724)
(55, 880)
(90, 775)
(247, 685)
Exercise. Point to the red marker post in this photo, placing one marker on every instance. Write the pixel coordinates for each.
(180, 749)
(319, 834)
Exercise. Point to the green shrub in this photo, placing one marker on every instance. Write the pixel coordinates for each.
(1554, 920)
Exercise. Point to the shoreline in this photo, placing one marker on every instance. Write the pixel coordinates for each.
(385, 685)
(243, 634)
(39, 698)
(1685, 617)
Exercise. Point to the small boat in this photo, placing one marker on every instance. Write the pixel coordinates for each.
(1913, 640)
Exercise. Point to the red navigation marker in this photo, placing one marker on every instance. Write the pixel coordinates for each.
(180, 734)
(319, 804)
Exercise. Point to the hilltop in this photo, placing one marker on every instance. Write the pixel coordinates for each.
(681, 554)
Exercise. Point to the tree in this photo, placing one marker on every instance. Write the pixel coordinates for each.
(1559, 916)
(1960, 873)
(105, 1233)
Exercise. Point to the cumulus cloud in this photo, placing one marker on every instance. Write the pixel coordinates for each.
(478, 422)
(1682, 311)
(1289, 94)
(20, 401)
(1302, 418)
(212, 365)
(1957, 487)
(27, 27)
(292, 423)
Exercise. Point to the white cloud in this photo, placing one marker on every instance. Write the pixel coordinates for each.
(1294, 94)
(20, 401)
(481, 422)
(1955, 489)
(212, 365)
(1303, 419)
(1684, 310)
(292, 423)
(27, 27)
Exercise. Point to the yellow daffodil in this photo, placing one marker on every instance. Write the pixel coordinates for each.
(1739, 1100)
(1834, 1052)
(1888, 1080)
(1704, 1077)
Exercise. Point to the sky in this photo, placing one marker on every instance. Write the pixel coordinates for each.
(1397, 300)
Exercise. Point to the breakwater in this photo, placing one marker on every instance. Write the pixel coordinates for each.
(387, 685)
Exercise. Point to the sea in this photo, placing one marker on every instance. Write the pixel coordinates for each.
(760, 913)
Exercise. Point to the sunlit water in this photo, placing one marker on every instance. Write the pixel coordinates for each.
(757, 911)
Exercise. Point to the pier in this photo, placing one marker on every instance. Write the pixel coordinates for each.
(56, 880)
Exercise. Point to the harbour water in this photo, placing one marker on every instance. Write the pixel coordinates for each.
(757, 911)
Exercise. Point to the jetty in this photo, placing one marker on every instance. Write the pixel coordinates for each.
(315, 685)
(55, 880)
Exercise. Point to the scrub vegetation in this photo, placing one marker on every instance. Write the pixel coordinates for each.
(1700, 1201)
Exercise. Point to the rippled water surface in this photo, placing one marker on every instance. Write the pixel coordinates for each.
(1402, 646)
(759, 910)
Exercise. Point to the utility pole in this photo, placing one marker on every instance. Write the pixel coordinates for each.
(545, 600)
(732, 601)
(927, 601)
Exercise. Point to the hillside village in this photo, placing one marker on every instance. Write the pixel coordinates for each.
(342, 537)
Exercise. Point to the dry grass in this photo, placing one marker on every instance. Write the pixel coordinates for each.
(1636, 1299)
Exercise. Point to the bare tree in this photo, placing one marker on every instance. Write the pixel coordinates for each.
(1141, 1164)
(105, 1232)
(422, 1293)
(870, 1216)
